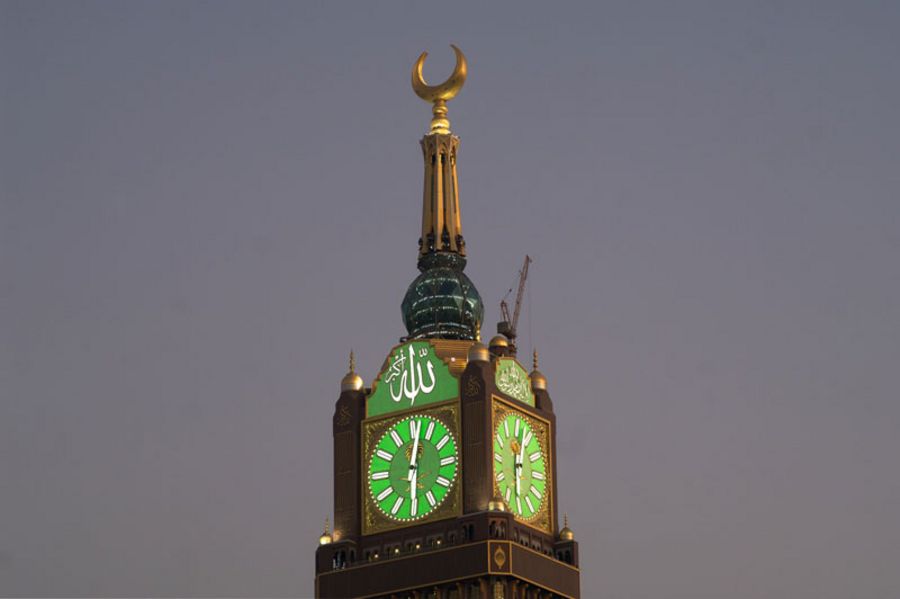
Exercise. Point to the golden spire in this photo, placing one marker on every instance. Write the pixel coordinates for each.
(538, 380)
(351, 380)
(353, 361)
(566, 533)
(441, 225)
(326, 537)
(534, 362)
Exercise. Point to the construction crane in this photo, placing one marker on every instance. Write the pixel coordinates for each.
(507, 326)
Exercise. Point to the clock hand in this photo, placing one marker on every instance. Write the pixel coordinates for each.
(522, 450)
(412, 484)
(417, 428)
(518, 478)
(520, 464)
(413, 467)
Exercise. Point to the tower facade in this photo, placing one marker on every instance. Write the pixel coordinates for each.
(445, 479)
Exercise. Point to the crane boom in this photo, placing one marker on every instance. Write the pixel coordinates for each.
(508, 325)
(523, 275)
(504, 311)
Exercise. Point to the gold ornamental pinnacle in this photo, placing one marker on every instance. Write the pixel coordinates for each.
(439, 94)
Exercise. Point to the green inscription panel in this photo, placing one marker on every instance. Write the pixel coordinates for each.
(513, 380)
(415, 376)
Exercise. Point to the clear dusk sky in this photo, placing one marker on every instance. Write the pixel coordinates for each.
(205, 205)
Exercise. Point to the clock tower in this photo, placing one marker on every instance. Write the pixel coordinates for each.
(445, 468)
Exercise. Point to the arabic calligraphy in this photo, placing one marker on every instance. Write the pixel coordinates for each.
(413, 375)
(513, 380)
(473, 386)
(344, 416)
(408, 370)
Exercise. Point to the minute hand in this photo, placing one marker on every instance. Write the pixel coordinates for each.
(413, 468)
(521, 465)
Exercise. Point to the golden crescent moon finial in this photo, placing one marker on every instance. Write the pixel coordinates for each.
(439, 94)
(446, 90)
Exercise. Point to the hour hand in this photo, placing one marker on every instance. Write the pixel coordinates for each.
(412, 482)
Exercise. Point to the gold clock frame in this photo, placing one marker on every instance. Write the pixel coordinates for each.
(500, 408)
(373, 520)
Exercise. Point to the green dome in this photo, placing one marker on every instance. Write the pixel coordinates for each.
(442, 302)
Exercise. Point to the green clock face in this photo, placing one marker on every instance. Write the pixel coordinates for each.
(519, 467)
(413, 467)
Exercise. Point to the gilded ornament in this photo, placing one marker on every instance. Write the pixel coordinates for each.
(352, 381)
(439, 94)
(566, 533)
(499, 557)
(538, 380)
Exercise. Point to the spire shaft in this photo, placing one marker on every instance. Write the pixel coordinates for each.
(441, 222)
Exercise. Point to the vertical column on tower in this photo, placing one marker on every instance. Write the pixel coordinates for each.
(349, 412)
(476, 451)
